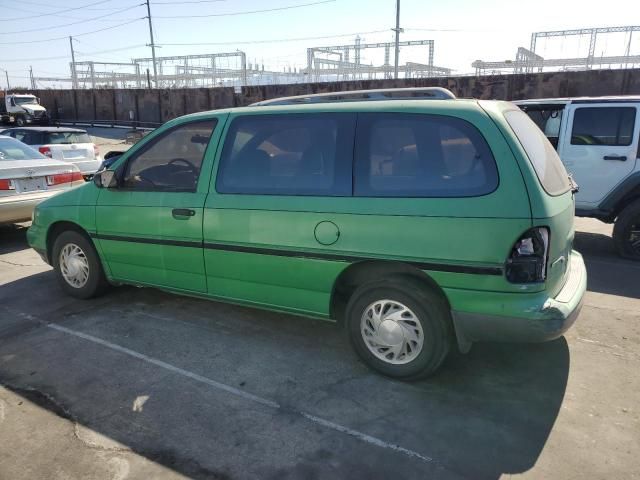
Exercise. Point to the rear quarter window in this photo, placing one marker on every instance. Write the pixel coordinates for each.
(421, 155)
(544, 158)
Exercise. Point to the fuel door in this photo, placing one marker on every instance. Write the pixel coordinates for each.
(326, 233)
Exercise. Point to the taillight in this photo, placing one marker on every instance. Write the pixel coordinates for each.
(7, 185)
(46, 151)
(96, 151)
(527, 262)
(59, 178)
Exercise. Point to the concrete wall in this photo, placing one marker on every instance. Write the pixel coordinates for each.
(158, 106)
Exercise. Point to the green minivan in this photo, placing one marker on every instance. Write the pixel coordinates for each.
(418, 221)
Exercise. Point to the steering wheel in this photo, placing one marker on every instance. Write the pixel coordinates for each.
(185, 161)
(143, 179)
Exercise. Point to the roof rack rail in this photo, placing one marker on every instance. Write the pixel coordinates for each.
(422, 93)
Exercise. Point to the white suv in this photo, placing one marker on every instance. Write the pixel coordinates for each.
(70, 145)
(597, 140)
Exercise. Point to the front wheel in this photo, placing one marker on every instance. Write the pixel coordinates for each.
(626, 232)
(20, 121)
(399, 327)
(77, 266)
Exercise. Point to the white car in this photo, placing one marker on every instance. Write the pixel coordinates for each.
(27, 177)
(598, 140)
(67, 144)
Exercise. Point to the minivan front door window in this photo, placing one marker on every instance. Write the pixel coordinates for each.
(173, 161)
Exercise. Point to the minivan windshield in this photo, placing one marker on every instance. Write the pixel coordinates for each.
(544, 158)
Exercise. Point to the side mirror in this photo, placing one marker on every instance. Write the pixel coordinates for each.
(105, 179)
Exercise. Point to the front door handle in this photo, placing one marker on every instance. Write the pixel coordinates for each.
(183, 212)
(622, 158)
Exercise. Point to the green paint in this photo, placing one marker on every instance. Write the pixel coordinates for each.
(475, 232)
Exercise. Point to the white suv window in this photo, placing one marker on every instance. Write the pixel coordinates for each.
(543, 156)
(612, 126)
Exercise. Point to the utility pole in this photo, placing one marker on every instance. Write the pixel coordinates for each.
(152, 45)
(7, 74)
(33, 82)
(397, 30)
(74, 77)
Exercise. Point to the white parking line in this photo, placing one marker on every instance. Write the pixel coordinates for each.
(241, 393)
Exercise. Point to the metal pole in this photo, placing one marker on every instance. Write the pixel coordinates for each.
(7, 74)
(153, 46)
(33, 83)
(397, 30)
(628, 50)
(74, 77)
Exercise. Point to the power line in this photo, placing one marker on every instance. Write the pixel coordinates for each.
(41, 4)
(75, 23)
(51, 13)
(71, 17)
(188, 1)
(278, 40)
(248, 12)
(82, 54)
(76, 35)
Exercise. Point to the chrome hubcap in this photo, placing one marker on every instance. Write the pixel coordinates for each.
(74, 265)
(392, 332)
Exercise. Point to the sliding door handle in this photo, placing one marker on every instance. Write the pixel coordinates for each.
(183, 212)
(621, 158)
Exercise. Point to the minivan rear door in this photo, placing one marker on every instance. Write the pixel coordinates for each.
(599, 147)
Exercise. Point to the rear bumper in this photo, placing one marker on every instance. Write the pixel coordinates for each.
(19, 208)
(534, 318)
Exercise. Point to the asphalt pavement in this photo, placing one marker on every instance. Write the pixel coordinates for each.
(144, 384)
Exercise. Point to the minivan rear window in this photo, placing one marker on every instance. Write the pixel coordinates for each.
(293, 154)
(421, 155)
(58, 138)
(544, 158)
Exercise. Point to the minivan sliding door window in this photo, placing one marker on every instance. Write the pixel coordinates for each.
(288, 154)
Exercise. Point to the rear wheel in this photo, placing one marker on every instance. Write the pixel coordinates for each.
(77, 266)
(626, 231)
(399, 327)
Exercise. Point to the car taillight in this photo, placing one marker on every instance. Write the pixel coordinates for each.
(59, 178)
(96, 151)
(7, 185)
(45, 151)
(527, 262)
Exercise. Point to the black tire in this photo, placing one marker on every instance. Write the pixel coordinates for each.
(20, 121)
(626, 241)
(427, 305)
(96, 283)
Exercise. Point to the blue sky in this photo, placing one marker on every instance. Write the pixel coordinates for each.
(463, 30)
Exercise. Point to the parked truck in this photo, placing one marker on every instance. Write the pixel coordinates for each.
(21, 109)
